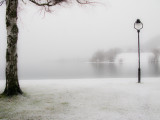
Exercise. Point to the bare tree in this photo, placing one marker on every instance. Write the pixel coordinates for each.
(12, 84)
(103, 56)
(98, 56)
(111, 54)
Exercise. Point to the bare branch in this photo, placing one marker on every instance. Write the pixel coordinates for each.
(39, 3)
(50, 3)
(85, 2)
(46, 4)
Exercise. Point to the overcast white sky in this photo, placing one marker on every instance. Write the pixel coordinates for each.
(72, 31)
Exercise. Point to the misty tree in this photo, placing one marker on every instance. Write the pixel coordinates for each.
(98, 56)
(103, 56)
(112, 53)
(156, 53)
(12, 84)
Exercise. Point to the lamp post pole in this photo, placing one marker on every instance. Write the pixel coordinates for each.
(139, 66)
(138, 25)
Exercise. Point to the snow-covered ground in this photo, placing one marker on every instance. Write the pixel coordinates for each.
(84, 99)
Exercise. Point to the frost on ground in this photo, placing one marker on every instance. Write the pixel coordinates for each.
(84, 99)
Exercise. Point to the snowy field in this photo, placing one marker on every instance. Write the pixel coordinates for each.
(84, 99)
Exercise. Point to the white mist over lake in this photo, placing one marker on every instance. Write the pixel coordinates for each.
(74, 33)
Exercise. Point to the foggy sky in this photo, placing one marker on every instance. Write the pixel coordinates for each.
(76, 32)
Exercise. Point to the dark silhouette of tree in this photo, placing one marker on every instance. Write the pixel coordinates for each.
(12, 84)
(111, 54)
(105, 56)
(98, 56)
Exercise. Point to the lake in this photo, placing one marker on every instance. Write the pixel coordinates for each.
(68, 70)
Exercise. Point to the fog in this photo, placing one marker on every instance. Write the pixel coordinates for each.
(74, 33)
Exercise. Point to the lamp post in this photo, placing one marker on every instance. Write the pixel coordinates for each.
(138, 25)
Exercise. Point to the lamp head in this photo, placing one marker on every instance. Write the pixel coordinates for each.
(138, 25)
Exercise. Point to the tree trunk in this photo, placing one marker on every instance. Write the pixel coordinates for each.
(12, 85)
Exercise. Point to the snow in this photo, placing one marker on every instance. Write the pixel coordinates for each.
(84, 99)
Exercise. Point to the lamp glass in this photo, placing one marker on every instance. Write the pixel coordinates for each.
(138, 26)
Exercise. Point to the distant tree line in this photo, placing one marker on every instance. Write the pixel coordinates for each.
(105, 56)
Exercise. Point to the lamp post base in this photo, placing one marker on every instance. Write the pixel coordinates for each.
(139, 75)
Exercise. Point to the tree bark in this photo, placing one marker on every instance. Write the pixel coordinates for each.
(12, 84)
